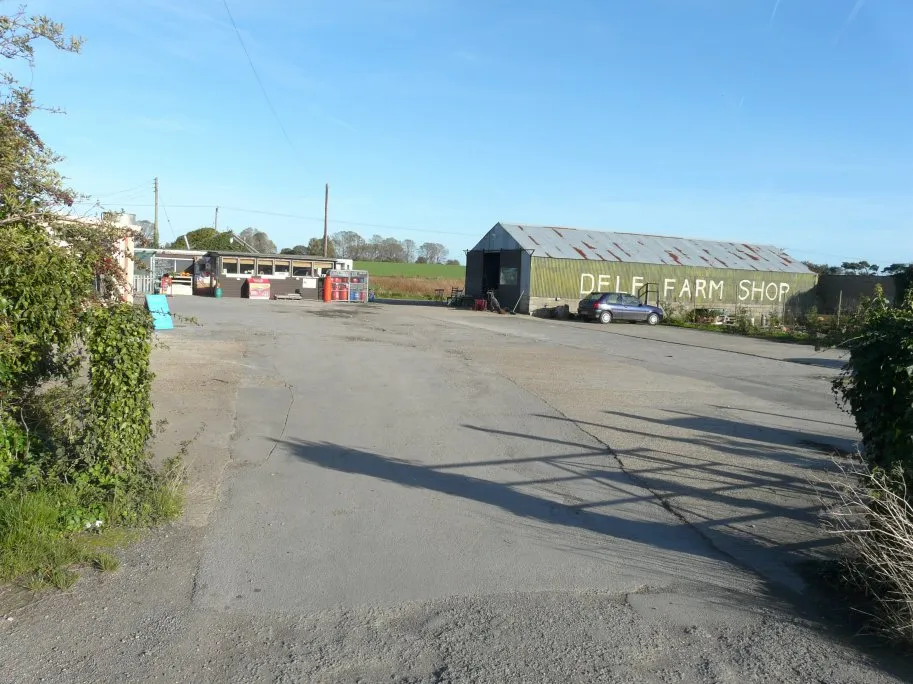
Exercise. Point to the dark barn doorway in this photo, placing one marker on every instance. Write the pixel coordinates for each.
(491, 270)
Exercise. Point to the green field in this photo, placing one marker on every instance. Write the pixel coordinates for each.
(428, 271)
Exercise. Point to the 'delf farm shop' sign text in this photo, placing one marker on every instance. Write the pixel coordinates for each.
(689, 288)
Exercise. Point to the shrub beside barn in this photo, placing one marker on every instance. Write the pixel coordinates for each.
(538, 268)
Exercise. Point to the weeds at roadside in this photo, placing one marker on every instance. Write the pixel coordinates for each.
(106, 562)
(62, 578)
(46, 532)
(872, 507)
(875, 521)
(772, 334)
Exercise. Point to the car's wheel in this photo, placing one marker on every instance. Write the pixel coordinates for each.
(653, 319)
(605, 317)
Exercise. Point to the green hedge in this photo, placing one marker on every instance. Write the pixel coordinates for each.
(877, 384)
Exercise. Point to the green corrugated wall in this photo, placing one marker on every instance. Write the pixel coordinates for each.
(571, 279)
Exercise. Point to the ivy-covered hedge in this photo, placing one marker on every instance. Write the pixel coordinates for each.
(74, 360)
(118, 342)
(94, 433)
(43, 289)
(877, 385)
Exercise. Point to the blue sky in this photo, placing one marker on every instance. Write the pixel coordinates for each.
(783, 122)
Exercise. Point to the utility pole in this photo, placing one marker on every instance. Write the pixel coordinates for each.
(326, 208)
(155, 229)
(235, 236)
(215, 223)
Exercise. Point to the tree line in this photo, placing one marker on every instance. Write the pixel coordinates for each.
(350, 245)
(345, 244)
(858, 268)
(210, 239)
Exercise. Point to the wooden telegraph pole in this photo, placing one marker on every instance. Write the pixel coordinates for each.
(155, 223)
(326, 208)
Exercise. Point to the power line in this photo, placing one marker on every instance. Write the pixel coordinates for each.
(142, 186)
(168, 218)
(817, 254)
(343, 222)
(266, 97)
(316, 219)
(124, 199)
(144, 206)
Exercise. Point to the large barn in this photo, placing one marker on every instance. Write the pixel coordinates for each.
(536, 268)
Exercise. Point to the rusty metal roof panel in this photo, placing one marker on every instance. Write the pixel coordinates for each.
(572, 243)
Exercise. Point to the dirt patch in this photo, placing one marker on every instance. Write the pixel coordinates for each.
(195, 392)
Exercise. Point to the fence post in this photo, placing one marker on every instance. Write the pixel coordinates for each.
(839, 306)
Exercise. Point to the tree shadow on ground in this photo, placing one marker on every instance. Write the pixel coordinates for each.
(779, 415)
(764, 477)
(670, 534)
(500, 495)
(751, 434)
(820, 361)
(680, 481)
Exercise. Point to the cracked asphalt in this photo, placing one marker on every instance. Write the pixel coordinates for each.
(393, 493)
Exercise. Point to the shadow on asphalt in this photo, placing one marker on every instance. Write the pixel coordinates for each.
(677, 475)
(410, 302)
(779, 415)
(817, 607)
(820, 361)
(743, 437)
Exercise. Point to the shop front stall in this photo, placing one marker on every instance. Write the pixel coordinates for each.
(152, 265)
(280, 274)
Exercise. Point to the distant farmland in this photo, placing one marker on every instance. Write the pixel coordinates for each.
(411, 281)
(387, 268)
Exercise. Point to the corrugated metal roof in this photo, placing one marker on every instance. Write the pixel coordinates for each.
(572, 243)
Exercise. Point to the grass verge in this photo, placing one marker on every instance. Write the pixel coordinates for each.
(49, 531)
(771, 334)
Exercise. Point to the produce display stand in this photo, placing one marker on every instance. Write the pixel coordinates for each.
(345, 286)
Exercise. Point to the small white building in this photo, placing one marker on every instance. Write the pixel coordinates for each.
(123, 253)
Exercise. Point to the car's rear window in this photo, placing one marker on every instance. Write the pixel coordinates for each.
(593, 296)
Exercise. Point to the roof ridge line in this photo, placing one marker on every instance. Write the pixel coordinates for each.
(504, 224)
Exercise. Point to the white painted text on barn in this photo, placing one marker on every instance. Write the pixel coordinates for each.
(688, 288)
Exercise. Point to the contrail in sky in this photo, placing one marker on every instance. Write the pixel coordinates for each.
(850, 19)
(774, 13)
(855, 11)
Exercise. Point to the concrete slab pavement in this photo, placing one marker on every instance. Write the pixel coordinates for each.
(414, 496)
